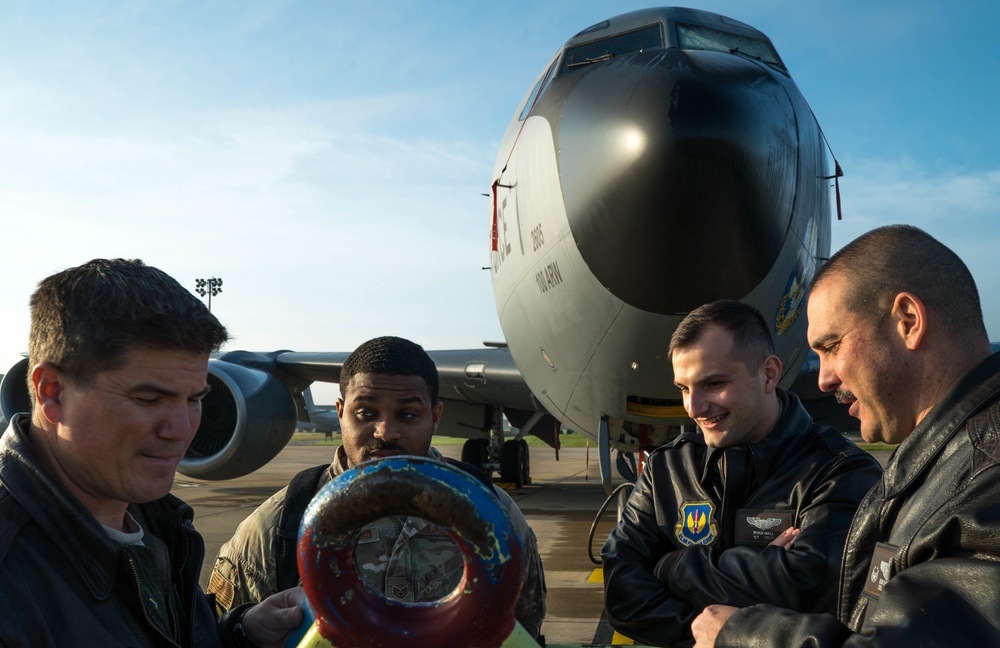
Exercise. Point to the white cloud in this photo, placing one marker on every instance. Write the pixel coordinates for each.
(322, 230)
(959, 207)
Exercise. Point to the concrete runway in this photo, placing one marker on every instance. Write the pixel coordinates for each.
(560, 506)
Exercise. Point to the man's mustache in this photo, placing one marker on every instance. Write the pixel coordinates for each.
(844, 396)
(382, 446)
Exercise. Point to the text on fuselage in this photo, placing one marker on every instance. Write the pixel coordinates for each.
(548, 277)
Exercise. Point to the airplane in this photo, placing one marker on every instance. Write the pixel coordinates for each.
(662, 159)
(320, 419)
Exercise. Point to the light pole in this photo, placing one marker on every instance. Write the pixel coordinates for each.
(211, 286)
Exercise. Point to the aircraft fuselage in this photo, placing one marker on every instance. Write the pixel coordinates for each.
(653, 167)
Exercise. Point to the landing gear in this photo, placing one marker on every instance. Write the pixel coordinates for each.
(477, 453)
(493, 455)
(515, 463)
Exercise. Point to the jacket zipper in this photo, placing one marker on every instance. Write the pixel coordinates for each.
(145, 613)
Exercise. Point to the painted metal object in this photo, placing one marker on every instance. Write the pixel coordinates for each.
(350, 612)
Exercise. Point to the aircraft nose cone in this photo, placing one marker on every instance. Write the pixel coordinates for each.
(678, 172)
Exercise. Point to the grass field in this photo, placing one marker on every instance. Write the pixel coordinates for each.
(310, 438)
(567, 441)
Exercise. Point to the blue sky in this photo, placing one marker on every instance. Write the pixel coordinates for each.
(327, 160)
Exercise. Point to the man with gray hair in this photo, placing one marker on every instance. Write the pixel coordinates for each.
(896, 321)
(89, 533)
(753, 506)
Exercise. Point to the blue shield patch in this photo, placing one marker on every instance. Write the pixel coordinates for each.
(696, 524)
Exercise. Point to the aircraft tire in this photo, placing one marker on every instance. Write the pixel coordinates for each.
(526, 461)
(476, 452)
(513, 462)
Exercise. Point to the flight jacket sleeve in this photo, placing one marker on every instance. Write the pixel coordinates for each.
(244, 570)
(944, 591)
(637, 603)
(530, 607)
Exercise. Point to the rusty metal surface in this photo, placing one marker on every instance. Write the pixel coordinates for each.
(479, 612)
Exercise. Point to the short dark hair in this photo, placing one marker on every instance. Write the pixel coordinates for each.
(751, 337)
(84, 320)
(393, 356)
(892, 259)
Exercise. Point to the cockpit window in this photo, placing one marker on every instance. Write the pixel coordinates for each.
(694, 37)
(542, 82)
(639, 40)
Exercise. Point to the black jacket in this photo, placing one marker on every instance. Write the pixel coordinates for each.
(67, 583)
(935, 519)
(694, 534)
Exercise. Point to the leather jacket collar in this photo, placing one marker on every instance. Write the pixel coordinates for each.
(770, 451)
(968, 395)
(93, 554)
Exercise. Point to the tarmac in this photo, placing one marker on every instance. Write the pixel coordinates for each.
(560, 505)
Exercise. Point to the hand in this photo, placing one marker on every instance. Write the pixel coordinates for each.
(269, 622)
(706, 626)
(786, 539)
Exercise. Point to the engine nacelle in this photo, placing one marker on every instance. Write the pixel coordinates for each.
(246, 420)
(14, 390)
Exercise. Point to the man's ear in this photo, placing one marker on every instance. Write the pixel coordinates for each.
(909, 316)
(340, 408)
(436, 414)
(772, 373)
(48, 383)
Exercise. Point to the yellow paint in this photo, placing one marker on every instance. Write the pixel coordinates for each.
(656, 411)
(314, 639)
(597, 576)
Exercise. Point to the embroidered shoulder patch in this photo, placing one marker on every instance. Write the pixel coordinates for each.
(696, 524)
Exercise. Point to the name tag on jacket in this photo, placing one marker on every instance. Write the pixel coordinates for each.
(760, 526)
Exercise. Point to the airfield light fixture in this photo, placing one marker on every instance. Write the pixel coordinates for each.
(211, 287)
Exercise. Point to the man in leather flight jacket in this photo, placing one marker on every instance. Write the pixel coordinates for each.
(896, 320)
(94, 551)
(753, 507)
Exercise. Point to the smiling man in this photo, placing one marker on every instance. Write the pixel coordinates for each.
(896, 321)
(389, 406)
(89, 534)
(752, 507)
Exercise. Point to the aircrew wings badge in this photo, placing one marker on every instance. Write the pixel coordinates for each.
(696, 524)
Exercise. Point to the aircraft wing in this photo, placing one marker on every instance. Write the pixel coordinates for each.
(473, 383)
(256, 402)
(486, 375)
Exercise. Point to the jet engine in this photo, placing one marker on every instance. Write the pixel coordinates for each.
(247, 418)
(14, 390)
